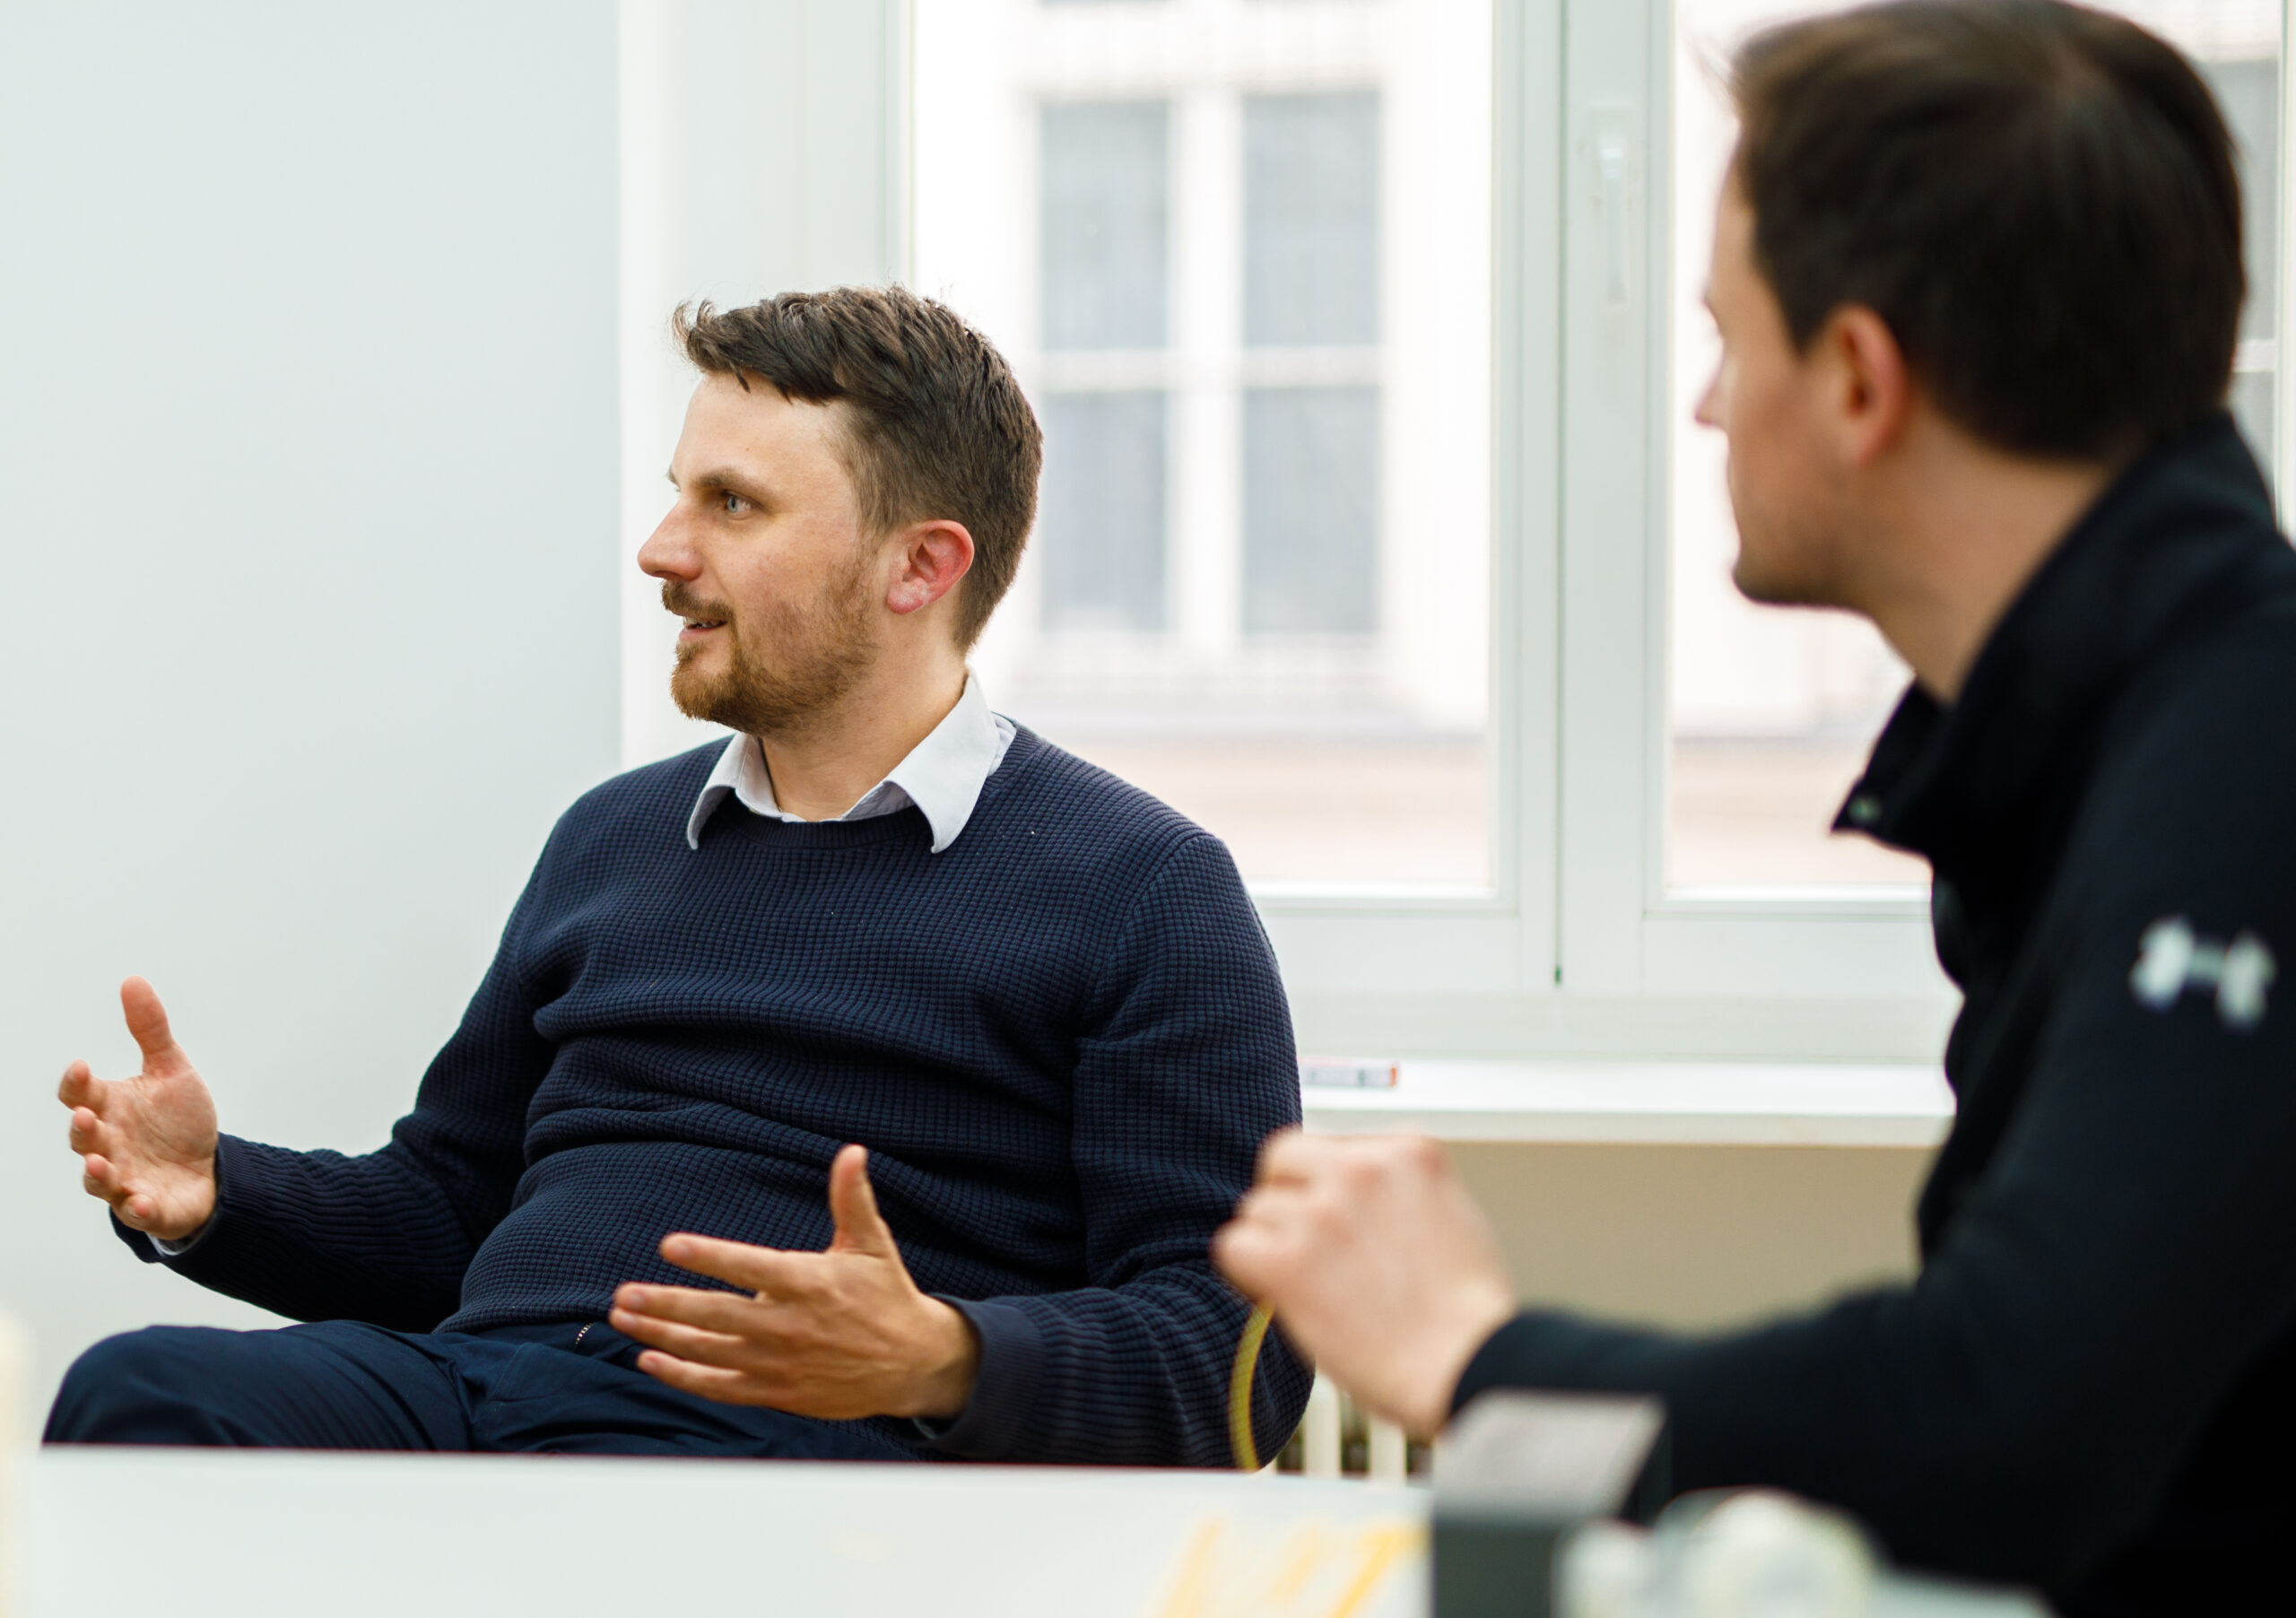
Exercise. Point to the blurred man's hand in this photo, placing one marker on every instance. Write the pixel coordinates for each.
(1377, 1263)
(146, 1143)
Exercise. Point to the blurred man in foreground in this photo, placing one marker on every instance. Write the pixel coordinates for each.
(1978, 275)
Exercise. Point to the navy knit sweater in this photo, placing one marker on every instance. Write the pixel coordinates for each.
(1062, 1039)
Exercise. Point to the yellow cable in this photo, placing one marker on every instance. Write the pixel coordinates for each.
(1239, 1390)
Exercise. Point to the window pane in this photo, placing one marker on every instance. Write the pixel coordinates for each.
(1774, 710)
(1312, 220)
(2254, 400)
(2247, 87)
(1104, 225)
(1311, 512)
(1239, 256)
(1100, 524)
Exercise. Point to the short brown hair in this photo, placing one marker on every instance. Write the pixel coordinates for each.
(2040, 200)
(936, 425)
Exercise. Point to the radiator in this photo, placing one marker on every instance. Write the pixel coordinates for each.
(1321, 1447)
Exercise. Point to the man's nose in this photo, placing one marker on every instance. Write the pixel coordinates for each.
(1708, 410)
(667, 554)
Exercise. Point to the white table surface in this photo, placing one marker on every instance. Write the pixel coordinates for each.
(1671, 1103)
(209, 1535)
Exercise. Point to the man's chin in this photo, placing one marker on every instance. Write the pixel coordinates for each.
(720, 699)
(696, 696)
(1761, 589)
(1767, 586)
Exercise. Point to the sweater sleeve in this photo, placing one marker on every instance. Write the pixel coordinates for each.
(383, 1237)
(1185, 1066)
(2120, 1265)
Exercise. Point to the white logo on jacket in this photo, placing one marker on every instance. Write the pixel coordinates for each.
(2173, 959)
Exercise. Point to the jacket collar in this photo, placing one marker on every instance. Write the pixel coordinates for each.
(2181, 539)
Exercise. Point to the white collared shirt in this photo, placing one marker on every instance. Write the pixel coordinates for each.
(942, 775)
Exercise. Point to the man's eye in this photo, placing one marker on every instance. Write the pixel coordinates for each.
(733, 504)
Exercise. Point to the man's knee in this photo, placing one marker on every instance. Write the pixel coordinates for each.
(141, 1387)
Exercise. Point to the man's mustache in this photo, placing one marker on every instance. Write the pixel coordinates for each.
(684, 604)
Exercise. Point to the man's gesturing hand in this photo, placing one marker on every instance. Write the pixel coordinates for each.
(839, 1333)
(146, 1144)
(1376, 1263)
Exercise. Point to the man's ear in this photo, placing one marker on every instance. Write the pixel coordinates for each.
(1869, 388)
(932, 557)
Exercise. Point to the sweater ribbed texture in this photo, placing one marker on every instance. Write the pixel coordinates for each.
(1062, 1039)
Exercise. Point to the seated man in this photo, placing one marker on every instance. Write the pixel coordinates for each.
(1977, 275)
(624, 1215)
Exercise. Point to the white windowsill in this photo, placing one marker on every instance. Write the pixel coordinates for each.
(1678, 1103)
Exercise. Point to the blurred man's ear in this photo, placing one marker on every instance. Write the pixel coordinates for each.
(1870, 390)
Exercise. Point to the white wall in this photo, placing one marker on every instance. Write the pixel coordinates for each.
(308, 508)
(760, 154)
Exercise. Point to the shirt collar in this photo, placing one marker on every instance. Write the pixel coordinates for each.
(942, 775)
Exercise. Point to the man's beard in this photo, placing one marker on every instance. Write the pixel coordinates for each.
(789, 668)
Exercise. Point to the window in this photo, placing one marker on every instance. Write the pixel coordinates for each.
(1255, 322)
(1103, 499)
(1312, 310)
(1105, 224)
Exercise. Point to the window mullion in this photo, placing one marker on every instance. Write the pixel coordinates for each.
(1613, 322)
(1207, 505)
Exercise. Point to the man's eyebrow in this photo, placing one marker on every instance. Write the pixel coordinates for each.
(721, 477)
(729, 479)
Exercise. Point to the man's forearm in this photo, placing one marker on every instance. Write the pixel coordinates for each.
(321, 1236)
(1130, 1376)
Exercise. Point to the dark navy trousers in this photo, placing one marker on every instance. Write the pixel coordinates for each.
(340, 1385)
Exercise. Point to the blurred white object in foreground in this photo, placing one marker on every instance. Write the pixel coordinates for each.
(1756, 1554)
(15, 1437)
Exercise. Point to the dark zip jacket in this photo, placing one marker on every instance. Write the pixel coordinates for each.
(2091, 1386)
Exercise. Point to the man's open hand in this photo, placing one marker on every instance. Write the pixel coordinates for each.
(839, 1333)
(1376, 1263)
(146, 1144)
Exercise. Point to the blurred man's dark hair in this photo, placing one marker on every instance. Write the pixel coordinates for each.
(2040, 200)
(935, 424)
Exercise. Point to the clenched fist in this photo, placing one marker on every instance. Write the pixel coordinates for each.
(146, 1144)
(1376, 1262)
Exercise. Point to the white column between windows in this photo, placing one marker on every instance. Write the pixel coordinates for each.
(1206, 472)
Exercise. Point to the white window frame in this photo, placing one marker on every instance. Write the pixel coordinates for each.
(1623, 931)
(1578, 948)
